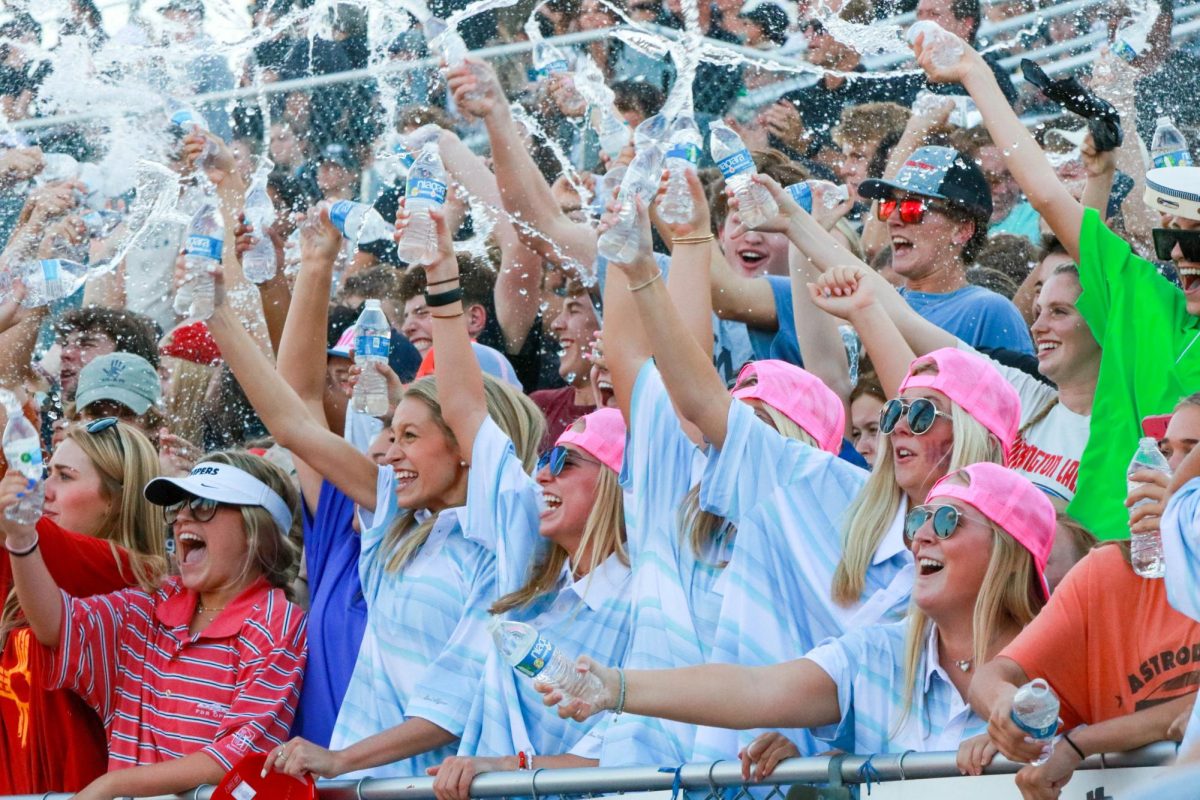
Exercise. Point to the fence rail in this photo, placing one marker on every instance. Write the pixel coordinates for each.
(710, 778)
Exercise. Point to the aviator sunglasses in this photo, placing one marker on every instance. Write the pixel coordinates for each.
(945, 521)
(556, 459)
(921, 415)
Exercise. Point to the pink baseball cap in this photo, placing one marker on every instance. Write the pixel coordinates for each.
(978, 388)
(1010, 500)
(798, 395)
(600, 434)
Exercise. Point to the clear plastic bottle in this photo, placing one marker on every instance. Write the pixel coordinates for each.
(372, 344)
(620, 242)
(606, 185)
(1145, 549)
(756, 206)
(683, 154)
(189, 121)
(359, 222)
(1168, 147)
(202, 253)
(612, 131)
(548, 60)
(1133, 34)
(424, 191)
(23, 450)
(947, 50)
(1035, 710)
(832, 194)
(58, 167)
(258, 263)
(51, 279)
(531, 654)
(446, 40)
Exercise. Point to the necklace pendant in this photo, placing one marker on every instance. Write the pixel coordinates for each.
(965, 664)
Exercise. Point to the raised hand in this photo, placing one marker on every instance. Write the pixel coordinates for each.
(320, 239)
(843, 292)
(476, 88)
(699, 223)
(956, 72)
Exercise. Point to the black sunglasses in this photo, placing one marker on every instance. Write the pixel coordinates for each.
(202, 509)
(945, 521)
(1165, 240)
(921, 413)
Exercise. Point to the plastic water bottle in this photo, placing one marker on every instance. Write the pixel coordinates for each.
(202, 254)
(1168, 148)
(23, 450)
(606, 185)
(1133, 34)
(682, 156)
(755, 205)
(424, 191)
(533, 655)
(188, 121)
(612, 131)
(831, 196)
(100, 224)
(947, 50)
(57, 167)
(372, 344)
(446, 40)
(51, 279)
(258, 263)
(620, 242)
(548, 60)
(1035, 710)
(359, 222)
(1145, 549)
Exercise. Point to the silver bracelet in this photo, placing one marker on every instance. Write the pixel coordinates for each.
(620, 707)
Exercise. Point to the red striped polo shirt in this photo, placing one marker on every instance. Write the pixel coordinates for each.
(164, 693)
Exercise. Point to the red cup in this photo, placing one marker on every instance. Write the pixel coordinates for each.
(245, 782)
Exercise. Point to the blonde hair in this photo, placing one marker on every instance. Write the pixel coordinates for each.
(702, 527)
(1009, 594)
(513, 412)
(125, 461)
(276, 556)
(870, 514)
(189, 387)
(603, 535)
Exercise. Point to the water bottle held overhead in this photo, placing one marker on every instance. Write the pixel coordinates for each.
(534, 656)
(756, 206)
(203, 248)
(359, 223)
(23, 451)
(1035, 710)
(1168, 147)
(258, 263)
(50, 279)
(832, 194)
(620, 242)
(1133, 34)
(548, 60)
(946, 49)
(424, 191)
(1145, 547)
(683, 154)
(372, 345)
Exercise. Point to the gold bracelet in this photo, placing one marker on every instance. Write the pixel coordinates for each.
(697, 239)
(446, 316)
(640, 286)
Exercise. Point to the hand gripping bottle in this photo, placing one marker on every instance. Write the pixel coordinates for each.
(188, 121)
(1035, 710)
(202, 253)
(372, 344)
(683, 154)
(23, 450)
(445, 39)
(258, 263)
(620, 242)
(533, 655)
(946, 49)
(359, 223)
(51, 279)
(1145, 549)
(548, 60)
(755, 205)
(424, 191)
(1133, 35)
(1168, 148)
(831, 196)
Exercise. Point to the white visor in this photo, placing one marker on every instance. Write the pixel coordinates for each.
(225, 484)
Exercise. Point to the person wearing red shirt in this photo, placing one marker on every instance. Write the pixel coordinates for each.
(96, 537)
(206, 668)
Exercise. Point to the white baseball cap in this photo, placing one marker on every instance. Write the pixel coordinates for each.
(225, 484)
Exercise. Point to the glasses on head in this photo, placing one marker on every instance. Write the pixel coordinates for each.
(945, 521)
(557, 458)
(921, 414)
(912, 211)
(202, 509)
(101, 425)
(1165, 240)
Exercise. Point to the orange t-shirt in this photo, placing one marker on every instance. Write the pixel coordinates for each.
(1109, 643)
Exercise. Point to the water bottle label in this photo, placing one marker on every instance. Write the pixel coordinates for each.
(536, 659)
(802, 194)
(687, 151)
(1037, 733)
(25, 455)
(50, 269)
(554, 67)
(426, 189)
(1124, 49)
(406, 158)
(736, 163)
(204, 246)
(338, 212)
(372, 346)
(1177, 158)
(186, 118)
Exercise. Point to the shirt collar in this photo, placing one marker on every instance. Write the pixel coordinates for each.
(177, 609)
(892, 543)
(933, 665)
(606, 582)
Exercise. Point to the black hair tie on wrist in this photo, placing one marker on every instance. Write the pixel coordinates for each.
(443, 298)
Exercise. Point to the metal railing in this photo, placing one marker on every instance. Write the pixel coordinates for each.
(711, 779)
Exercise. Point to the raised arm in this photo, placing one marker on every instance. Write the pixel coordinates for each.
(1025, 160)
(37, 592)
(524, 193)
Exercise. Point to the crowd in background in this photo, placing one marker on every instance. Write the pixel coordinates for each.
(845, 479)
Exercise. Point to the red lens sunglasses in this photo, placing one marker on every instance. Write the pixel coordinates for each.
(912, 211)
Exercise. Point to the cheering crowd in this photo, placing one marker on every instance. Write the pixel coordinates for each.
(843, 480)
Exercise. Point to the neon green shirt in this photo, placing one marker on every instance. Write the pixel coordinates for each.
(1151, 359)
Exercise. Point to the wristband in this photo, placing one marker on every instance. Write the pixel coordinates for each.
(1067, 738)
(446, 316)
(620, 707)
(443, 298)
(644, 284)
(444, 280)
(696, 239)
(22, 553)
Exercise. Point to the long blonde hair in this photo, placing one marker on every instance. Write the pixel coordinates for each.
(1009, 595)
(126, 462)
(189, 387)
(702, 527)
(603, 535)
(513, 412)
(871, 512)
